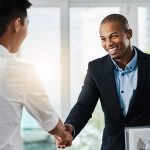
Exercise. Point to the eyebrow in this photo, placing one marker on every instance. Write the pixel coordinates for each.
(109, 34)
(114, 33)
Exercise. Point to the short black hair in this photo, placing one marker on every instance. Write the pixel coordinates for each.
(11, 9)
(117, 18)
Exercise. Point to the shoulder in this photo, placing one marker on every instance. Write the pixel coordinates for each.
(100, 65)
(20, 71)
(20, 66)
(146, 55)
(142, 55)
(100, 61)
(14, 78)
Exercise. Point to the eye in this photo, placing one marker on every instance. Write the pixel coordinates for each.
(114, 36)
(103, 39)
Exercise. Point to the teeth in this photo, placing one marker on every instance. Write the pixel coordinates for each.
(112, 49)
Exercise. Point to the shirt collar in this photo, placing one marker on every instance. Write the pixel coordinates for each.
(131, 65)
(4, 51)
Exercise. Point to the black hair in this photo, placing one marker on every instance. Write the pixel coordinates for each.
(11, 9)
(117, 18)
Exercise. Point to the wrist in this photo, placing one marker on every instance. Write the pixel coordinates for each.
(71, 129)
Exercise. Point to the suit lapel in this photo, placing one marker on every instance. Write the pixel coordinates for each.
(141, 75)
(109, 85)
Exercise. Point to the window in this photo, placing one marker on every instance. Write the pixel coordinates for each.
(144, 28)
(42, 49)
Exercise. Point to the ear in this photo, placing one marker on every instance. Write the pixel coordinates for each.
(17, 24)
(129, 34)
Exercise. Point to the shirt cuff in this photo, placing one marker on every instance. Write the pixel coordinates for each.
(51, 123)
(73, 132)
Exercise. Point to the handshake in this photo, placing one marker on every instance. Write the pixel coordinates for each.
(63, 135)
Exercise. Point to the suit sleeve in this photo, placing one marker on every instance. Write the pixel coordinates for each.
(87, 100)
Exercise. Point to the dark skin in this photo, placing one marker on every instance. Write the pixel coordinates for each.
(116, 41)
(63, 144)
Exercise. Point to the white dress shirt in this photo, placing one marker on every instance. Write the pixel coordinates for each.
(19, 87)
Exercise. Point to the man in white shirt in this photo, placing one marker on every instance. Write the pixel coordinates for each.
(19, 84)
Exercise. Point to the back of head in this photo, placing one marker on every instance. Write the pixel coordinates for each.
(117, 18)
(11, 9)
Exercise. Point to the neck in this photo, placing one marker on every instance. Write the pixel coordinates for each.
(122, 62)
(6, 41)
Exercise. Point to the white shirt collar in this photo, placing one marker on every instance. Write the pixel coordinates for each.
(4, 50)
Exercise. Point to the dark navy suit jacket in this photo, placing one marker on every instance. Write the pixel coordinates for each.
(100, 84)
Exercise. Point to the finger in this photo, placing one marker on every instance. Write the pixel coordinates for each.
(62, 146)
(68, 143)
(58, 139)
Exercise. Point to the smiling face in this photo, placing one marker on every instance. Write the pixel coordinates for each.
(115, 40)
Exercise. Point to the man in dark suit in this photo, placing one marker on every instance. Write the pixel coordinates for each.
(121, 80)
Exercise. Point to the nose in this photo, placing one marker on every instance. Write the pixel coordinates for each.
(109, 43)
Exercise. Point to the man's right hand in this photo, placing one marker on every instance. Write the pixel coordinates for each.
(66, 141)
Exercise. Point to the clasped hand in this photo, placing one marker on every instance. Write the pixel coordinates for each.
(67, 140)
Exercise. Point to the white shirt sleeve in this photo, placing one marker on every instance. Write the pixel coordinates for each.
(37, 103)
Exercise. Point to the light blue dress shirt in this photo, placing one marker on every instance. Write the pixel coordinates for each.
(126, 82)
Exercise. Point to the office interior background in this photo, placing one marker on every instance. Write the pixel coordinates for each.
(63, 37)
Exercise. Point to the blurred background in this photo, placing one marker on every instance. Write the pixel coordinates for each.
(63, 37)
